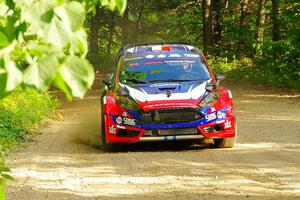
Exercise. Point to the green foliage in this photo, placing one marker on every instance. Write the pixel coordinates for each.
(43, 43)
(251, 71)
(4, 175)
(111, 4)
(20, 112)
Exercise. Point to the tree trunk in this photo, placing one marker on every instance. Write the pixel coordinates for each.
(216, 20)
(138, 21)
(243, 29)
(275, 19)
(111, 27)
(94, 32)
(125, 35)
(207, 26)
(261, 18)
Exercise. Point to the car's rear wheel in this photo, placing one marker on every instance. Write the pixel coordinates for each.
(226, 142)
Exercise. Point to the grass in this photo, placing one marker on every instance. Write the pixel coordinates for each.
(20, 113)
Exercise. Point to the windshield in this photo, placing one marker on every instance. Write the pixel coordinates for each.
(165, 67)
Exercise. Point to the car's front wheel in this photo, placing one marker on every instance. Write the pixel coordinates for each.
(104, 145)
(226, 142)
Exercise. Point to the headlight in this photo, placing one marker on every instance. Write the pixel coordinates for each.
(209, 99)
(128, 103)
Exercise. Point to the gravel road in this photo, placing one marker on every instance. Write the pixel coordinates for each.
(65, 162)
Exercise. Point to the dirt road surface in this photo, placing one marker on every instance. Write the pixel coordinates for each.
(64, 162)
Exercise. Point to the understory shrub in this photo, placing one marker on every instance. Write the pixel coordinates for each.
(20, 112)
(258, 71)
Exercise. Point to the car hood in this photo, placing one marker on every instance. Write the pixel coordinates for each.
(167, 91)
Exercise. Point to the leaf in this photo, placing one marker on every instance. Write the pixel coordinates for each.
(72, 15)
(2, 195)
(7, 177)
(37, 49)
(60, 83)
(10, 76)
(121, 5)
(3, 40)
(40, 73)
(79, 43)
(57, 34)
(4, 169)
(75, 77)
(112, 4)
(37, 14)
(55, 23)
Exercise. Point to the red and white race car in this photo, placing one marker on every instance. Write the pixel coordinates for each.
(165, 92)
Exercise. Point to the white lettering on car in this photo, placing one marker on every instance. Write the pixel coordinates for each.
(210, 117)
(227, 124)
(128, 121)
(221, 115)
(112, 130)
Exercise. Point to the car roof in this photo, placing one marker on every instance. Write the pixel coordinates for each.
(150, 48)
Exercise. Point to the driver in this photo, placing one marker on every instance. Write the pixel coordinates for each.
(187, 67)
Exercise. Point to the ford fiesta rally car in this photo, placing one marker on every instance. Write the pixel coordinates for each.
(165, 92)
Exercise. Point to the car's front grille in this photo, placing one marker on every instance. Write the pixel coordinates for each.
(170, 116)
(170, 132)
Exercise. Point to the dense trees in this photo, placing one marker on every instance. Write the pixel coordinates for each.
(44, 43)
(226, 30)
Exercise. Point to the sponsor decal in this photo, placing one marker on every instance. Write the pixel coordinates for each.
(164, 84)
(221, 115)
(227, 124)
(112, 130)
(180, 61)
(125, 114)
(191, 55)
(212, 109)
(153, 62)
(128, 121)
(133, 65)
(120, 127)
(119, 120)
(174, 56)
(161, 56)
(168, 104)
(220, 121)
(210, 117)
(149, 56)
(135, 58)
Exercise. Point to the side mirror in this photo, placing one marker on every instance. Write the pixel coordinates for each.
(122, 91)
(210, 87)
(107, 81)
(219, 78)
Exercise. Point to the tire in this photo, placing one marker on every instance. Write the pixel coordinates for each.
(226, 142)
(104, 145)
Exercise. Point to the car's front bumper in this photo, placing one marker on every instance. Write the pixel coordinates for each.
(218, 124)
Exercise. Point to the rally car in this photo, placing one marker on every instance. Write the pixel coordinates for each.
(165, 92)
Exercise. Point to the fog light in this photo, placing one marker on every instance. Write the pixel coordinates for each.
(218, 127)
(209, 129)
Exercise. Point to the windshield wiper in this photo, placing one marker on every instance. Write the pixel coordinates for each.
(137, 81)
